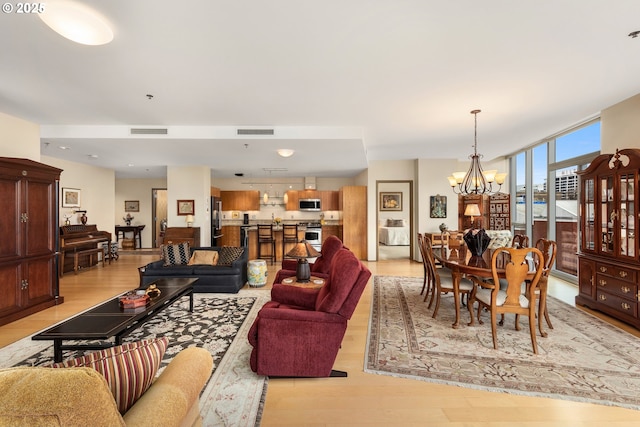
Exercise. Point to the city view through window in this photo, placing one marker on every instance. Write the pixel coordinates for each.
(550, 207)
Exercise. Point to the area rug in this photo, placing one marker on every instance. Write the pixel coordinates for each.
(583, 358)
(234, 395)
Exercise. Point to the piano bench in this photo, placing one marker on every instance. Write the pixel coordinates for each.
(90, 252)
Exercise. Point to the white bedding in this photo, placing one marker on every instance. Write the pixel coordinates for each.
(394, 236)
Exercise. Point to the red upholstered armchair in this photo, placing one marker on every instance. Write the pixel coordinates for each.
(294, 338)
(319, 268)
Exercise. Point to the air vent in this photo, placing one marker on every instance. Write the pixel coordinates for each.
(255, 131)
(148, 131)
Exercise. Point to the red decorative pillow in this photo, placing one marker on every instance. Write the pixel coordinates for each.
(129, 368)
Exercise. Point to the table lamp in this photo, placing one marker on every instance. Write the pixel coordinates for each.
(303, 250)
(189, 220)
(472, 210)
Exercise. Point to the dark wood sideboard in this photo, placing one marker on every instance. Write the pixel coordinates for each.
(175, 235)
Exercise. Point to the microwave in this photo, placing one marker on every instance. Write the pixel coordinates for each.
(309, 205)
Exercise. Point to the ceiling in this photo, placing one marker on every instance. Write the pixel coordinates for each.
(340, 82)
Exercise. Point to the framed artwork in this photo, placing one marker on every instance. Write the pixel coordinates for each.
(132, 205)
(185, 207)
(235, 214)
(438, 206)
(70, 198)
(390, 201)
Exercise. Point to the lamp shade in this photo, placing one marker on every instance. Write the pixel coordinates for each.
(303, 250)
(472, 210)
(189, 220)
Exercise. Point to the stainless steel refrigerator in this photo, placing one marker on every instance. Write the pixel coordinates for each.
(216, 220)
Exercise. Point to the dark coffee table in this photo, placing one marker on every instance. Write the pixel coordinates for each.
(110, 321)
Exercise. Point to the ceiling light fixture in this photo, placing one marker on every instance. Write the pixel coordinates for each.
(77, 22)
(476, 181)
(285, 152)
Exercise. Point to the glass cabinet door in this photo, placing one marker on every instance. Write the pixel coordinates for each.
(607, 215)
(588, 216)
(627, 214)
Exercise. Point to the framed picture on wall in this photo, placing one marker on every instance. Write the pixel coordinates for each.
(390, 201)
(70, 198)
(185, 207)
(132, 206)
(438, 206)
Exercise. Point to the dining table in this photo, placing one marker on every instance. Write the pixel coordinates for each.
(461, 262)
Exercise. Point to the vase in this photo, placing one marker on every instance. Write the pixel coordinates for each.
(477, 241)
(83, 219)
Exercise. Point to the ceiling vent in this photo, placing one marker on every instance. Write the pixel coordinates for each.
(309, 182)
(255, 131)
(148, 131)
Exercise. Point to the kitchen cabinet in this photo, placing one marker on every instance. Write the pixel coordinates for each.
(329, 200)
(330, 230)
(292, 200)
(608, 261)
(308, 194)
(248, 200)
(29, 224)
(230, 235)
(353, 204)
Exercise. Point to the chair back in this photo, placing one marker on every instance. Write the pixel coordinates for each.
(517, 268)
(290, 232)
(520, 241)
(549, 249)
(265, 232)
(348, 279)
(329, 249)
(427, 250)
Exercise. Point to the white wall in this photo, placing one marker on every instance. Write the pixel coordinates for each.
(140, 190)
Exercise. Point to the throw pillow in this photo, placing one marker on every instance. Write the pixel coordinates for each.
(228, 254)
(176, 254)
(129, 368)
(204, 258)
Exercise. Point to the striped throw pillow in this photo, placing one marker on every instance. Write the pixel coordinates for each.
(129, 368)
(176, 254)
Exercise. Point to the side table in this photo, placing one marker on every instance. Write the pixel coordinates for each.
(313, 283)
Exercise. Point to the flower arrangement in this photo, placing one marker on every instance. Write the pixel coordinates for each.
(277, 220)
(127, 219)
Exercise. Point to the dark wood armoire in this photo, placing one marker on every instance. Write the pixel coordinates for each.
(29, 230)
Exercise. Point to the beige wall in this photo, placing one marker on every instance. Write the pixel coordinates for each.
(19, 138)
(190, 183)
(620, 125)
(140, 190)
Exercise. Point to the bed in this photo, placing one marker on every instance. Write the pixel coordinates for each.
(394, 233)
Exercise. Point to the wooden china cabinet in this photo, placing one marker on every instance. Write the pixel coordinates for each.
(608, 261)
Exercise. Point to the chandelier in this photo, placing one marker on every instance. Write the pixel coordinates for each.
(475, 180)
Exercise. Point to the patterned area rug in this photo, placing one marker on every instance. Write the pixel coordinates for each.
(583, 358)
(234, 395)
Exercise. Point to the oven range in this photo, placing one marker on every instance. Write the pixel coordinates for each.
(313, 234)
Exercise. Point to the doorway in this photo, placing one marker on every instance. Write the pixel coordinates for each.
(158, 214)
(394, 219)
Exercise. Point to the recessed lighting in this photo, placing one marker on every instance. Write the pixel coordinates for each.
(64, 147)
(77, 22)
(92, 156)
(130, 165)
(285, 152)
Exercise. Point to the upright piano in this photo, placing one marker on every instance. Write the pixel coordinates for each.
(78, 244)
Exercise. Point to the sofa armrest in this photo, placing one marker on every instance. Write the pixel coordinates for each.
(294, 296)
(169, 399)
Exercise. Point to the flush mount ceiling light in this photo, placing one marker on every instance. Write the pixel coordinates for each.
(285, 152)
(77, 22)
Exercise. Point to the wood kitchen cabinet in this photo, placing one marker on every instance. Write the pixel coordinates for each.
(248, 200)
(29, 226)
(330, 200)
(353, 204)
(230, 235)
(292, 200)
(608, 261)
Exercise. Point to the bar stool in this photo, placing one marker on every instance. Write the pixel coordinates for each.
(289, 235)
(266, 237)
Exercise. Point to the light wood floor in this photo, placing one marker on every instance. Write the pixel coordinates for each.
(361, 399)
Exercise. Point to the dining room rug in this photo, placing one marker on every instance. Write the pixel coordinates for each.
(234, 395)
(583, 358)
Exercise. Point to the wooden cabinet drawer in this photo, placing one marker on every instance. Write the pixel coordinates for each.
(617, 286)
(623, 305)
(626, 274)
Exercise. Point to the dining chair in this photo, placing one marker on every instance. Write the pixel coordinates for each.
(549, 250)
(427, 282)
(517, 297)
(520, 241)
(443, 284)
